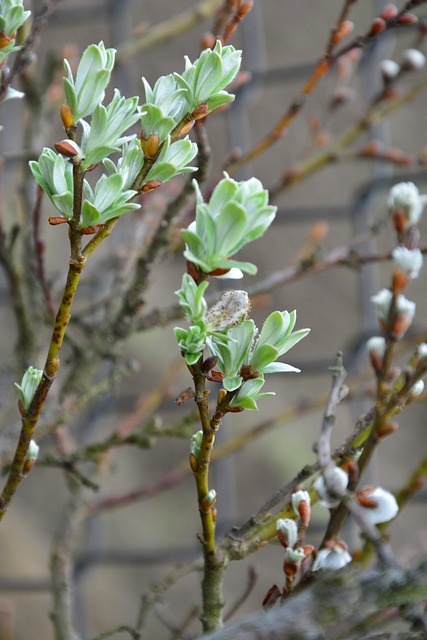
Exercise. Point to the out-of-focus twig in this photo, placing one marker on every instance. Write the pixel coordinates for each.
(23, 59)
(322, 67)
(374, 114)
(167, 29)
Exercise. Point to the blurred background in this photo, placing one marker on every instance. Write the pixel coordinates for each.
(126, 547)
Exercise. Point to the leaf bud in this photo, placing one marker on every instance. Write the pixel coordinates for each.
(389, 11)
(30, 457)
(186, 128)
(150, 145)
(69, 149)
(66, 116)
(193, 463)
(377, 26)
(151, 185)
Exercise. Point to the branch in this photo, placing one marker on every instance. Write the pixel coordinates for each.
(318, 613)
(168, 29)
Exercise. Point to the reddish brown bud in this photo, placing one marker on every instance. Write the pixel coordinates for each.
(304, 511)
(244, 9)
(291, 569)
(248, 373)
(408, 18)
(271, 597)
(352, 469)
(389, 11)
(66, 116)
(400, 220)
(215, 376)
(235, 410)
(308, 550)
(399, 281)
(400, 324)
(209, 364)
(363, 498)
(54, 220)
(377, 26)
(68, 148)
(89, 231)
(193, 270)
(151, 185)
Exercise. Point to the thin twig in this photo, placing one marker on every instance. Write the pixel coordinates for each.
(169, 28)
(23, 59)
(322, 67)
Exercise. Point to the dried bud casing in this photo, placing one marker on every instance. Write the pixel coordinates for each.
(200, 111)
(271, 597)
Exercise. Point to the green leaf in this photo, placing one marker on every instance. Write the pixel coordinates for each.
(262, 356)
(90, 215)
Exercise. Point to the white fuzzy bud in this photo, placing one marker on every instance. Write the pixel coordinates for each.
(33, 451)
(409, 261)
(412, 60)
(333, 558)
(289, 530)
(231, 309)
(331, 488)
(376, 345)
(389, 70)
(383, 508)
(294, 555)
(300, 496)
(406, 196)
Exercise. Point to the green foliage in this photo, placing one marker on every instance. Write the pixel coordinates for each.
(236, 214)
(104, 134)
(29, 383)
(55, 176)
(93, 75)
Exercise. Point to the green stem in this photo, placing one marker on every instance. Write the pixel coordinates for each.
(29, 421)
(215, 560)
